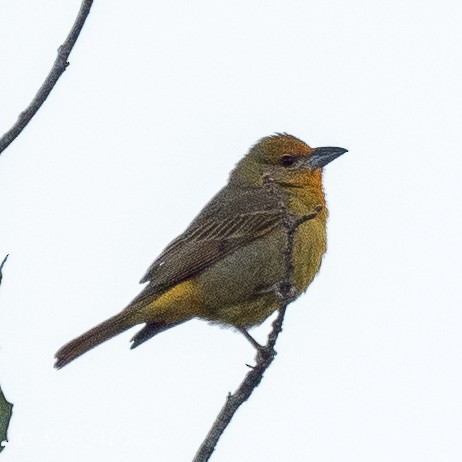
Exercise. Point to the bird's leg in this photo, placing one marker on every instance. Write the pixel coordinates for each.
(263, 351)
(254, 343)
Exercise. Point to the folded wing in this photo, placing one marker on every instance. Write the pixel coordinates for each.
(226, 224)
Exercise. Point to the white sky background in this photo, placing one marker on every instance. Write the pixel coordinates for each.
(160, 101)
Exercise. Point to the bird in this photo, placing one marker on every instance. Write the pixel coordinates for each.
(227, 267)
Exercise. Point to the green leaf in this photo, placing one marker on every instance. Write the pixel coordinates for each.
(6, 409)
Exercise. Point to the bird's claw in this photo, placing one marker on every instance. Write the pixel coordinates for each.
(283, 293)
(286, 294)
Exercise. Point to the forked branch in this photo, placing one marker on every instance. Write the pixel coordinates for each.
(266, 353)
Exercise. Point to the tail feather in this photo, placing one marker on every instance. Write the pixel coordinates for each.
(151, 329)
(99, 334)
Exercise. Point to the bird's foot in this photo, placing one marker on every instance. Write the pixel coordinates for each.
(263, 351)
(286, 293)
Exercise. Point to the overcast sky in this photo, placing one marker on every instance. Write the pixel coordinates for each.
(160, 101)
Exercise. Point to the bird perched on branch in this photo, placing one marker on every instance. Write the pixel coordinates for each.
(227, 267)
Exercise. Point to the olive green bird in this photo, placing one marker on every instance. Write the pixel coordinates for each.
(228, 266)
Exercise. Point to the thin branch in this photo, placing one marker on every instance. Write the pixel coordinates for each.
(57, 70)
(1, 268)
(253, 378)
(266, 353)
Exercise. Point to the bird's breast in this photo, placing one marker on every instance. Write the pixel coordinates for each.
(309, 248)
(310, 238)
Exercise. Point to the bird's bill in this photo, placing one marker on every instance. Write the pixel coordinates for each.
(322, 156)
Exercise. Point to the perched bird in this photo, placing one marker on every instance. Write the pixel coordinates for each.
(229, 263)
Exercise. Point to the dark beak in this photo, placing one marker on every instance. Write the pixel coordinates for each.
(322, 156)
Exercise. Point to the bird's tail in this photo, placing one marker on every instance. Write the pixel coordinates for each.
(99, 334)
(151, 329)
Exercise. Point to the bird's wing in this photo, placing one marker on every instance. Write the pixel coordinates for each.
(224, 226)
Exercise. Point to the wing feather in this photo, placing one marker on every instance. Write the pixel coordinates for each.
(213, 235)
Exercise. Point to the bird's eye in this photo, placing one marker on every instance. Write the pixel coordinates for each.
(287, 161)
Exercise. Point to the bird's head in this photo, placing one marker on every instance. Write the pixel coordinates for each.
(286, 160)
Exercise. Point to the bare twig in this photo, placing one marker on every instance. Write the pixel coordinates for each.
(1, 268)
(57, 70)
(253, 378)
(266, 353)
